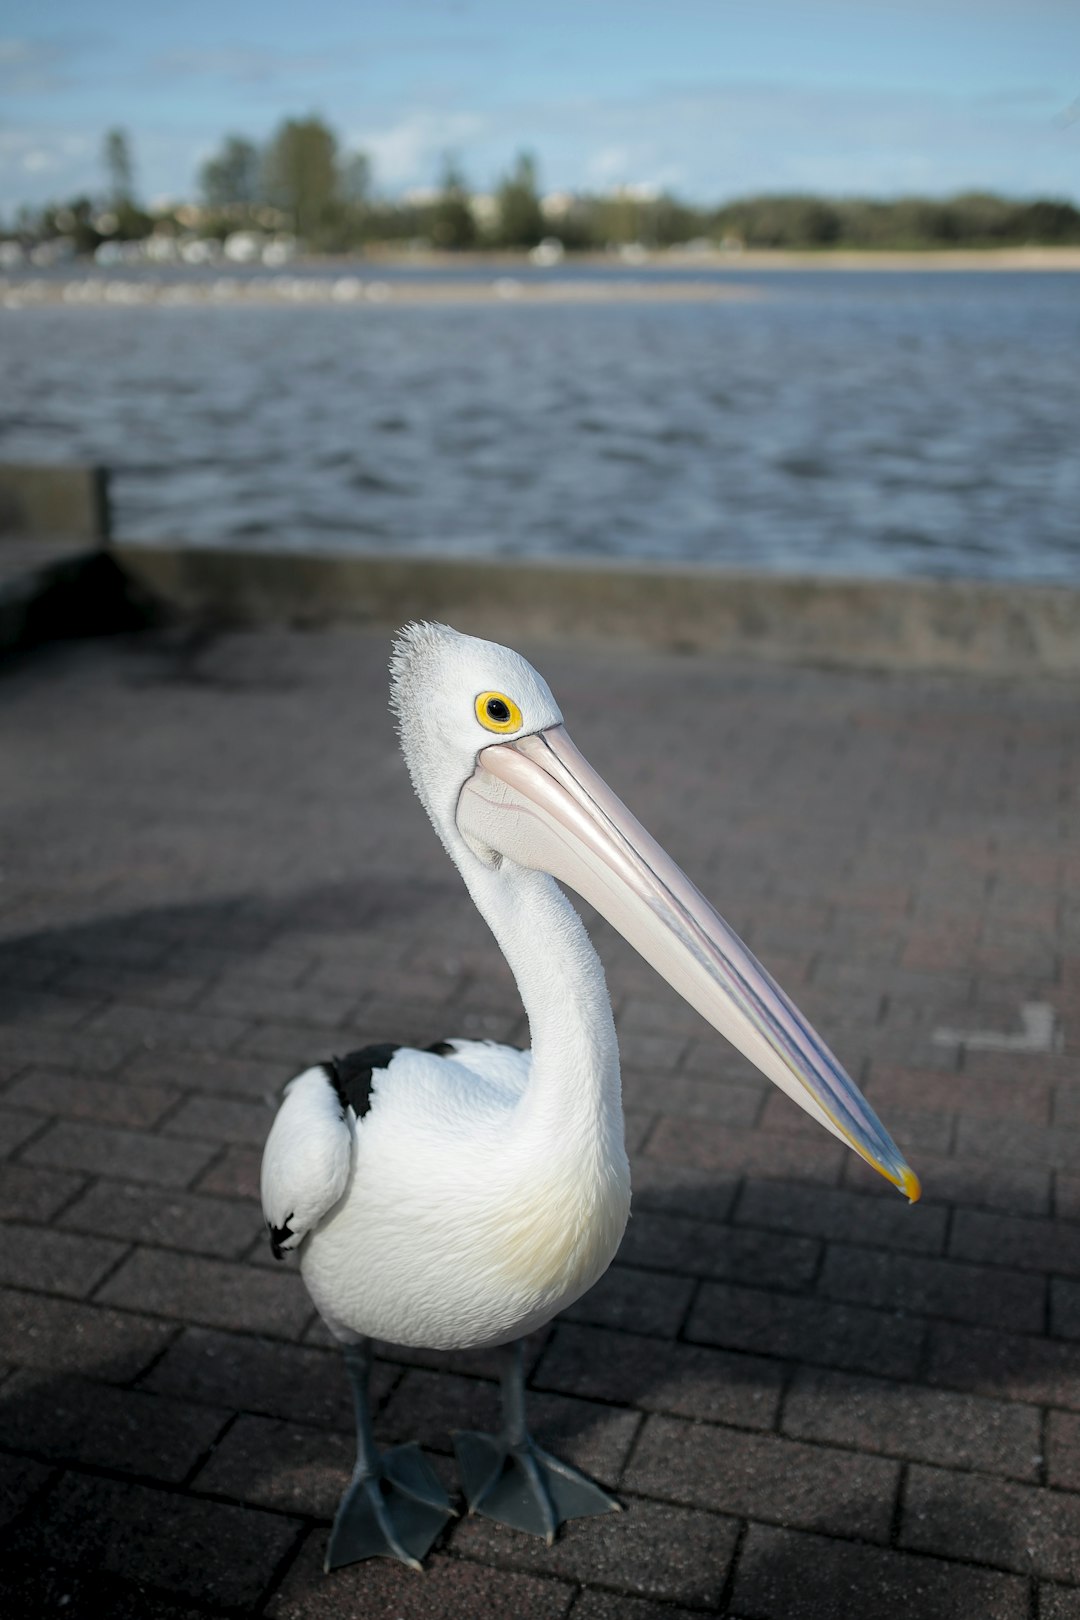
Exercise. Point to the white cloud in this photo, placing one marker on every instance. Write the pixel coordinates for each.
(408, 152)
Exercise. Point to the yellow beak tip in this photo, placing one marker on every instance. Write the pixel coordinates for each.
(910, 1185)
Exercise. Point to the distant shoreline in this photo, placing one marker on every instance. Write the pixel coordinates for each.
(491, 279)
(1013, 258)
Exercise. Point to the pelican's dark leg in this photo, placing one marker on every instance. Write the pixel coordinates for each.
(395, 1505)
(508, 1478)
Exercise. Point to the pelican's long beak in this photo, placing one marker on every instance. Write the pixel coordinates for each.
(539, 802)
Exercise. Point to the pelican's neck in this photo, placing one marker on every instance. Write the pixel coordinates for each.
(574, 1080)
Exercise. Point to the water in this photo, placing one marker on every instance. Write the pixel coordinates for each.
(874, 424)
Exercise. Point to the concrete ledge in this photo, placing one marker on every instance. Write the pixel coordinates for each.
(71, 501)
(1001, 630)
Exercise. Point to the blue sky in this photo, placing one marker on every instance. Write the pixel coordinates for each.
(710, 99)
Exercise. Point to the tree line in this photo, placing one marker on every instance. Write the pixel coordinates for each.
(301, 182)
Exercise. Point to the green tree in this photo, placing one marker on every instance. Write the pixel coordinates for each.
(233, 177)
(301, 174)
(119, 168)
(453, 225)
(355, 179)
(521, 222)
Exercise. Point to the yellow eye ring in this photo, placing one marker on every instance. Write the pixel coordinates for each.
(496, 712)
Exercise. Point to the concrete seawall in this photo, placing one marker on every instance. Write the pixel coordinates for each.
(962, 626)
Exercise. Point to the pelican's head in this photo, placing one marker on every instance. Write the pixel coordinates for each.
(493, 764)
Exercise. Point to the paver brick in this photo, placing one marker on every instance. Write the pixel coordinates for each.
(19, 1479)
(208, 1552)
(691, 1097)
(915, 1130)
(273, 1464)
(36, 1331)
(128, 1155)
(1013, 1366)
(678, 1189)
(55, 1262)
(301, 1384)
(639, 1301)
(427, 1406)
(707, 1250)
(1015, 1189)
(223, 1120)
(31, 1193)
(80, 1096)
(380, 1590)
(791, 1575)
(763, 1476)
(1013, 1240)
(174, 1220)
(16, 1128)
(973, 1095)
(653, 1550)
(839, 1214)
(903, 1420)
(198, 1071)
(655, 1376)
(233, 1174)
(990, 1521)
(69, 1418)
(811, 1330)
(1063, 1450)
(1014, 1141)
(708, 1146)
(214, 1293)
(932, 1287)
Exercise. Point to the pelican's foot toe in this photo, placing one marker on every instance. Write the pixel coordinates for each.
(524, 1486)
(396, 1513)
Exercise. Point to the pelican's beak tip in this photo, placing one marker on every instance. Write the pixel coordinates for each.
(910, 1185)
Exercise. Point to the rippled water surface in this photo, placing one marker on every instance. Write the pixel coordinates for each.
(862, 423)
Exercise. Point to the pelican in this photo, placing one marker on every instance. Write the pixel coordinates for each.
(459, 1197)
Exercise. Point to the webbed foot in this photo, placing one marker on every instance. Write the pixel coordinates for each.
(523, 1486)
(396, 1512)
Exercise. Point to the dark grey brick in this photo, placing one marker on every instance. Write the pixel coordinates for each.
(701, 1248)
(380, 1590)
(30, 1193)
(639, 1301)
(811, 1330)
(80, 1096)
(72, 1419)
(214, 1293)
(208, 1552)
(1013, 1366)
(786, 1575)
(36, 1331)
(990, 1521)
(827, 1212)
(652, 1550)
(918, 1285)
(300, 1384)
(655, 1376)
(55, 1262)
(176, 1220)
(762, 1476)
(128, 1155)
(19, 1479)
(899, 1420)
(428, 1406)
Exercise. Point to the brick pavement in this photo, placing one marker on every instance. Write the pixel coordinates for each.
(814, 1401)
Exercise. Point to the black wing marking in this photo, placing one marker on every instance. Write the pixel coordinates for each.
(351, 1075)
(279, 1235)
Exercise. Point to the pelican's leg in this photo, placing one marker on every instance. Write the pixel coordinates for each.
(394, 1505)
(507, 1477)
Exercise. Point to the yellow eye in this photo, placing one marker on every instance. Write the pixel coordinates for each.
(497, 713)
